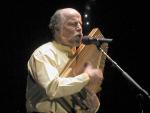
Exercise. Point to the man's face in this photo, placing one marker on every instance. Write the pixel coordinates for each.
(71, 29)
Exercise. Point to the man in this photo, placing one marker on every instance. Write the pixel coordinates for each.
(44, 83)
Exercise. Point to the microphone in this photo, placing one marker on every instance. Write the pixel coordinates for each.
(88, 40)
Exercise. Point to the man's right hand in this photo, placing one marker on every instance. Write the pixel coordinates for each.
(95, 75)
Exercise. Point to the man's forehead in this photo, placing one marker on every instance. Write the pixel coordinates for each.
(69, 12)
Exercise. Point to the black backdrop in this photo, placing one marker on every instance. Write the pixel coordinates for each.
(125, 21)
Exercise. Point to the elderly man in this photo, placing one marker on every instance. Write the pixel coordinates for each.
(45, 86)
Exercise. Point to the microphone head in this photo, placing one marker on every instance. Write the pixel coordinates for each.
(85, 39)
(88, 40)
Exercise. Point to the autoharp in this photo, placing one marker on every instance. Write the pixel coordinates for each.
(94, 55)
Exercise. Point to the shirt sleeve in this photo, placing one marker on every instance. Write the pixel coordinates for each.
(45, 73)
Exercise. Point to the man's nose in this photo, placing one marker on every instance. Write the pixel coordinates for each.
(79, 27)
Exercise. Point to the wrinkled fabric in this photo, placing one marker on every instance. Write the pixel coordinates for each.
(44, 83)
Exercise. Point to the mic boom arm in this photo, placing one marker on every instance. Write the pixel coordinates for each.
(125, 74)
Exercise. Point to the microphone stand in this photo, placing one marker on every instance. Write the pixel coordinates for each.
(126, 75)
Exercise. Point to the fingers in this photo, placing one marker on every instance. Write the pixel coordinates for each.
(88, 64)
(95, 75)
(88, 67)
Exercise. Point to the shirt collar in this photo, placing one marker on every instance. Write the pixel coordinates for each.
(70, 51)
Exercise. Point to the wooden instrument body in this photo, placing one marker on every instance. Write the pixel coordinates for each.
(84, 54)
(87, 98)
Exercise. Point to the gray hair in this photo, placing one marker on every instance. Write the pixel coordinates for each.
(57, 20)
(55, 23)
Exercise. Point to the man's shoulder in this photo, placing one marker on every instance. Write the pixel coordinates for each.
(45, 46)
(44, 49)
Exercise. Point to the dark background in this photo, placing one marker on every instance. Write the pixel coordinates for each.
(125, 21)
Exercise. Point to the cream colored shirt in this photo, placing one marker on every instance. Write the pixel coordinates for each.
(45, 66)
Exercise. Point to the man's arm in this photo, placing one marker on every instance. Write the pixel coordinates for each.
(45, 73)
